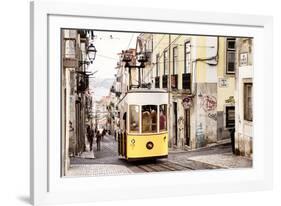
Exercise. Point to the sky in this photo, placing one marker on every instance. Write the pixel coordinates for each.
(108, 45)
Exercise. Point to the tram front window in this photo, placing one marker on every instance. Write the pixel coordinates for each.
(149, 118)
(163, 117)
(134, 118)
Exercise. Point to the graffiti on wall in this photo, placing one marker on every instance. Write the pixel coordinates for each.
(181, 129)
(208, 103)
(180, 121)
(212, 116)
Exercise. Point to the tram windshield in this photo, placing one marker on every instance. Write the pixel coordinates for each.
(149, 118)
(163, 117)
(134, 118)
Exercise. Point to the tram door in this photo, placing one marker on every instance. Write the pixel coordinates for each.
(125, 134)
(187, 126)
(175, 123)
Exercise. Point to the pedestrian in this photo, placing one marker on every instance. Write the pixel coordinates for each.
(95, 131)
(103, 133)
(98, 139)
(90, 136)
(162, 120)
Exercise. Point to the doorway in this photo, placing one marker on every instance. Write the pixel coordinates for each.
(187, 126)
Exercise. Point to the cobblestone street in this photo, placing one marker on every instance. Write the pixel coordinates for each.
(106, 162)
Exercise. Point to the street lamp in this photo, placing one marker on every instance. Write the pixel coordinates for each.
(92, 51)
(83, 83)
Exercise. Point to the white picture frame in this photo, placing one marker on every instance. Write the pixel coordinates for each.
(47, 186)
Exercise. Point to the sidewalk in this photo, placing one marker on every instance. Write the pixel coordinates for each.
(108, 149)
(87, 154)
(226, 160)
(99, 163)
(221, 142)
(107, 155)
(85, 170)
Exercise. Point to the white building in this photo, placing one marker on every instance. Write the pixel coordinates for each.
(244, 89)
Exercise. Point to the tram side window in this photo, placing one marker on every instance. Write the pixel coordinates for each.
(134, 118)
(149, 118)
(163, 117)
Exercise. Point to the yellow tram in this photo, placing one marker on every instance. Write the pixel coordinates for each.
(143, 129)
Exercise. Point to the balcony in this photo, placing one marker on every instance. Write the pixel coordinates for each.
(165, 81)
(70, 63)
(186, 81)
(157, 82)
(174, 81)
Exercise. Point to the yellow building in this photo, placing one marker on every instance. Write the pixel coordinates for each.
(199, 74)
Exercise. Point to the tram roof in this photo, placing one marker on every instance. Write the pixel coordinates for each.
(141, 96)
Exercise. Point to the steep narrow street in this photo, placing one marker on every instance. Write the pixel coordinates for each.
(106, 161)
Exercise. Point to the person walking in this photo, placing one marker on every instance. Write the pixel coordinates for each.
(103, 133)
(163, 122)
(98, 139)
(90, 136)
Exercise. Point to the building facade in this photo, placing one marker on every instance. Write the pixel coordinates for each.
(76, 102)
(244, 92)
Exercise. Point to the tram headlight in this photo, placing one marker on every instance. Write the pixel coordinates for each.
(149, 145)
(133, 141)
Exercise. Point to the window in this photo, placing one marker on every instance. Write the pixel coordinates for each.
(69, 48)
(70, 33)
(166, 63)
(230, 56)
(149, 118)
(134, 118)
(175, 60)
(165, 81)
(157, 82)
(163, 117)
(230, 116)
(187, 49)
(157, 65)
(248, 107)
